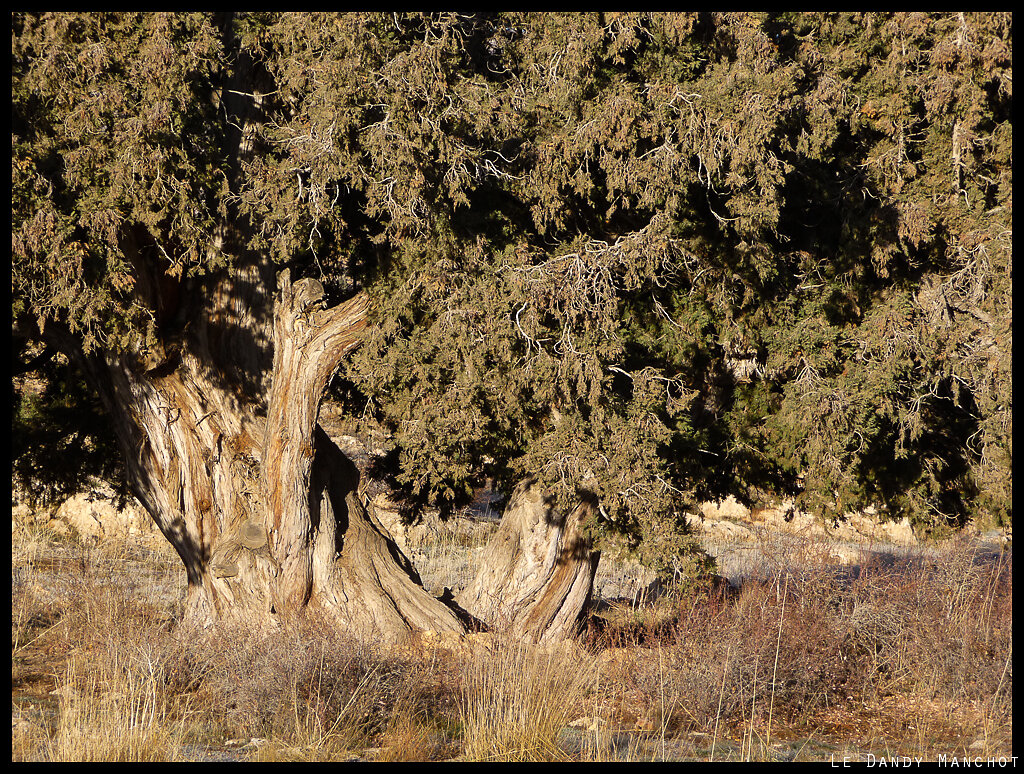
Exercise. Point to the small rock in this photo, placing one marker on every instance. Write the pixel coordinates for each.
(589, 723)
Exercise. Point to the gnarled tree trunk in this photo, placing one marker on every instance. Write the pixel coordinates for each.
(537, 571)
(263, 509)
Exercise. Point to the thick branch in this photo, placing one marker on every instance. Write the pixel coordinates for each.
(309, 344)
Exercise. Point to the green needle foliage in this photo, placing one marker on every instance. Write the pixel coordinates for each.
(655, 257)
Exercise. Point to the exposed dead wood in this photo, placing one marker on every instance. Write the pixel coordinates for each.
(261, 506)
(537, 572)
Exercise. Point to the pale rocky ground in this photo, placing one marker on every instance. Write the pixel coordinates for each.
(92, 516)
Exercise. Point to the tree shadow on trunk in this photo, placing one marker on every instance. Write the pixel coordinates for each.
(336, 494)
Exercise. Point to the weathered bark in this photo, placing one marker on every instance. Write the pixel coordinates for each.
(359, 573)
(309, 343)
(537, 572)
(261, 506)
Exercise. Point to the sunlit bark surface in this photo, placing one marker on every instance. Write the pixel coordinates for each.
(537, 572)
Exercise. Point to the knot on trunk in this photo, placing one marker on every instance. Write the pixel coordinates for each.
(306, 294)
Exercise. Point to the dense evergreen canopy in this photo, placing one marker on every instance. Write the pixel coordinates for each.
(652, 257)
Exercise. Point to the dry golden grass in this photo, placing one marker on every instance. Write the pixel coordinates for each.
(907, 655)
(516, 699)
(316, 733)
(410, 738)
(117, 713)
(28, 736)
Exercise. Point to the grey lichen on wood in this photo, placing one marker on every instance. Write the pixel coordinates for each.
(252, 535)
(225, 569)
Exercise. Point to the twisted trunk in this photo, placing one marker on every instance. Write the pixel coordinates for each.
(537, 571)
(261, 506)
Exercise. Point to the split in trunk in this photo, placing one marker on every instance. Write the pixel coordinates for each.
(261, 506)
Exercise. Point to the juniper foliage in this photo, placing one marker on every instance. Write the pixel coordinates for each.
(653, 256)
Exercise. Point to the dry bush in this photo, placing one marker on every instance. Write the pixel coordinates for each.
(721, 659)
(809, 637)
(779, 654)
(410, 736)
(425, 710)
(937, 626)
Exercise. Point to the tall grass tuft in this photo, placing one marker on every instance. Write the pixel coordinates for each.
(118, 713)
(516, 700)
